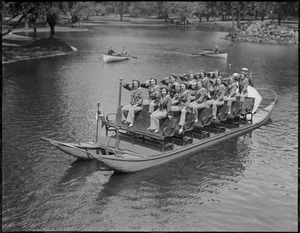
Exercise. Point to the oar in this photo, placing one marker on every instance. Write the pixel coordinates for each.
(133, 57)
(226, 47)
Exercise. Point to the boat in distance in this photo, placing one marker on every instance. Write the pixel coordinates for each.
(210, 53)
(134, 149)
(114, 58)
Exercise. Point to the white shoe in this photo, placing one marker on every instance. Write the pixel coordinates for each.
(180, 130)
(130, 125)
(196, 120)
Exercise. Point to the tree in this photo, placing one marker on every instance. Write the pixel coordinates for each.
(19, 10)
(164, 9)
(121, 8)
(183, 10)
(200, 10)
(80, 10)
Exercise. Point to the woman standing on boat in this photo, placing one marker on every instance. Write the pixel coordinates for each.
(243, 84)
(183, 105)
(154, 93)
(164, 108)
(230, 95)
(200, 101)
(136, 101)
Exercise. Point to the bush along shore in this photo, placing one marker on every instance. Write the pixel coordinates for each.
(262, 32)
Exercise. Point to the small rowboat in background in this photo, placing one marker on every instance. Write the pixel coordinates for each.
(218, 55)
(210, 53)
(114, 58)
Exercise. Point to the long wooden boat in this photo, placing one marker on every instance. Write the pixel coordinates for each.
(123, 151)
(114, 58)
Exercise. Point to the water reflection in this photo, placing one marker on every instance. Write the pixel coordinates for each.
(202, 172)
(78, 171)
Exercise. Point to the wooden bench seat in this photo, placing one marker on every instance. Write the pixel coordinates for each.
(234, 118)
(139, 128)
(188, 126)
(218, 124)
(204, 122)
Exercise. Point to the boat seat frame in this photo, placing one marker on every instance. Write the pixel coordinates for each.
(205, 116)
(247, 110)
(139, 130)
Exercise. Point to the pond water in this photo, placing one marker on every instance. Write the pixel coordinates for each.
(248, 183)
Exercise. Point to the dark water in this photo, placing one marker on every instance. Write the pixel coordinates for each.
(248, 183)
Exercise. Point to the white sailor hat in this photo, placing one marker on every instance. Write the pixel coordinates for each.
(244, 69)
(235, 75)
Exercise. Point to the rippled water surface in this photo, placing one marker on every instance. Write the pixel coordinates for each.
(248, 183)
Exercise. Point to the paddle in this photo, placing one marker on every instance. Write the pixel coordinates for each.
(133, 57)
(226, 47)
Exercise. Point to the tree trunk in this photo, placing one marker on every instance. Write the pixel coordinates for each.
(232, 21)
(121, 17)
(238, 19)
(26, 23)
(52, 31)
(166, 17)
(262, 16)
(279, 15)
(200, 18)
(207, 18)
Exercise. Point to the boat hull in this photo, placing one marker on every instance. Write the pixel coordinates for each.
(77, 150)
(113, 58)
(216, 55)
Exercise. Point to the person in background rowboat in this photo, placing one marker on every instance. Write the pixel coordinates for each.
(124, 52)
(136, 101)
(249, 76)
(200, 100)
(230, 94)
(163, 111)
(154, 93)
(183, 105)
(218, 99)
(110, 51)
(217, 49)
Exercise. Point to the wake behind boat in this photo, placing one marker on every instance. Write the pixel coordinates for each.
(134, 149)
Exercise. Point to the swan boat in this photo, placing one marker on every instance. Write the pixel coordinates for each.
(134, 149)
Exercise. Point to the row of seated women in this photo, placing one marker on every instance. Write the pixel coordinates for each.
(188, 95)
